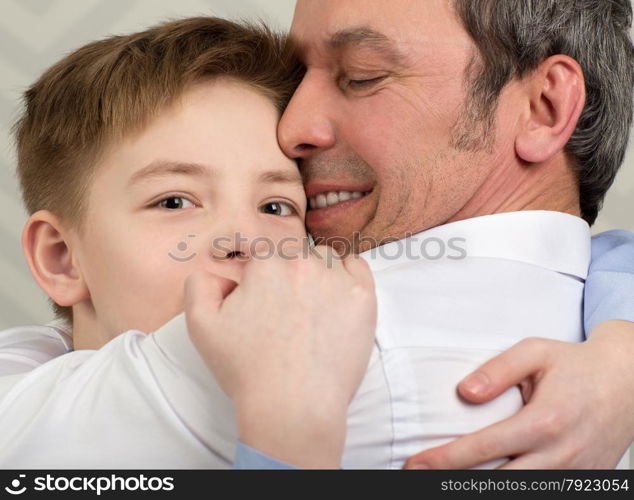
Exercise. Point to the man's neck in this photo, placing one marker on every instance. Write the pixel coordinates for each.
(547, 186)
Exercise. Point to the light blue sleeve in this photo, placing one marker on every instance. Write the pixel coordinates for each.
(609, 291)
(249, 458)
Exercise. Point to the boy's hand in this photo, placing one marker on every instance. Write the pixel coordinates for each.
(290, 346)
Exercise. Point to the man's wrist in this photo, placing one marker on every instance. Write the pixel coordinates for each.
(614, 340)
(615, 331)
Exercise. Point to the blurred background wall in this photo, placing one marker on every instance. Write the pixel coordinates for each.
(36, 33)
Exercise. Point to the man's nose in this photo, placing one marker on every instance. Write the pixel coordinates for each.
(307, 127)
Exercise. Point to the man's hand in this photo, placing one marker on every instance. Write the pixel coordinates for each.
(290, 345)
(579, 409)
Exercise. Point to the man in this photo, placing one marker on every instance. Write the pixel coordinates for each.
(426, 109)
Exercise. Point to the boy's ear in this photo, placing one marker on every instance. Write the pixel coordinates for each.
(49, 254)
(556, 95)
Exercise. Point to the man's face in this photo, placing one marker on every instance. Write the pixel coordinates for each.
(380, 113)
(206, 168)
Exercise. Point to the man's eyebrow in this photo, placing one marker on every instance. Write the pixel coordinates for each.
(162, 168)
(366, 37)
(280, 177)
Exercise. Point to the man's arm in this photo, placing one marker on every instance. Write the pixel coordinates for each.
(609, 292)
(579, 398)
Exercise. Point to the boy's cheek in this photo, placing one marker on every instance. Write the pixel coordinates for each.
(147, 294)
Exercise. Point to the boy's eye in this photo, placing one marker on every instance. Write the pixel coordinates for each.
(279, 208)
(175, 203)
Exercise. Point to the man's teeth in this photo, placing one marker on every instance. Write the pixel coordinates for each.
(331, 198)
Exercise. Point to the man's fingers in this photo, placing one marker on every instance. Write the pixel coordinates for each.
(502, 440)
(530, 461)
(526, 358)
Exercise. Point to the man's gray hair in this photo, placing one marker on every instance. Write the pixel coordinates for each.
(514, 36)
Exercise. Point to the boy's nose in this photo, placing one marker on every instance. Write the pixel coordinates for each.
(228, 248)
(228, 263)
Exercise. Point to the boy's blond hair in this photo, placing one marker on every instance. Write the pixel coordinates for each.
(110, 88)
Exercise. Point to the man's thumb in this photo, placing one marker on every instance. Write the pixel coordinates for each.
(512, 367)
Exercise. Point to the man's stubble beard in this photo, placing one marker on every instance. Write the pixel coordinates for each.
(473, 132)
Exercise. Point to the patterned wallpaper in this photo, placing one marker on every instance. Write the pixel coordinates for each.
(35, 33)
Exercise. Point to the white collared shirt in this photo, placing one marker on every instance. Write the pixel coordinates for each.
(148, 401)
(449, 299)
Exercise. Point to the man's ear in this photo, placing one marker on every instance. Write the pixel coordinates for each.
(556, 93)
(49, 254)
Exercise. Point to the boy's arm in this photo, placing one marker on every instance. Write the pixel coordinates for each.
(291, 371)
(150, 401)
(249, 458)
(24, 348)
(140, 401)
(609, 291)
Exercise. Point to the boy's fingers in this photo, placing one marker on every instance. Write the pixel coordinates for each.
(359, 269)
(331, 257)
(205, 293)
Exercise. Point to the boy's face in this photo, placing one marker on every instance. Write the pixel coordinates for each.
(172, 198)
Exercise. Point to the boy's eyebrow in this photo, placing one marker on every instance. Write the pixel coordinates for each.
(280, 176)
(161, 168)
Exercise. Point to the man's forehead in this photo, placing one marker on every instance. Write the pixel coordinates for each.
(355, 37)
(335, 24)
(341, 21)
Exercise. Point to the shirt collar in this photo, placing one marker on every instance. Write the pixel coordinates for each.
(552, 240)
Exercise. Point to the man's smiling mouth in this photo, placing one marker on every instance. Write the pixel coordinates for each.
(332, 198)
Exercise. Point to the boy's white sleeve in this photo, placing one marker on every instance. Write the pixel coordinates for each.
(25, 348)
(141, 401)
